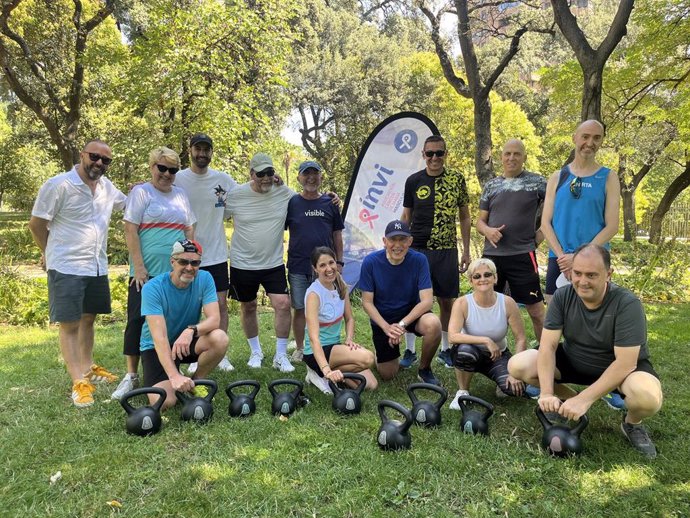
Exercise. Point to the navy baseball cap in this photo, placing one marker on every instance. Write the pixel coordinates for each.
(397, 228)
(309, 164)
(200, 138)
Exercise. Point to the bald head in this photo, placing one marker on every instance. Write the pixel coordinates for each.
(513, 158)
(590, 124)
(587, 139)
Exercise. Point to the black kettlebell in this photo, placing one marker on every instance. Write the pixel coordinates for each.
(242, 405)
(285, 403)
(559, 439)
(393, 434)
(427, 413)
(473, 421)
(145, 420)
(348, 401)
(195, 408)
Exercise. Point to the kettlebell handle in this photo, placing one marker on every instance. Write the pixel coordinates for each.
(577, 429)
(140, 392)
(489, 408)
(298, 384)
(443, 394)
(211, 384)
(247, 383)
(386, 403)
(350, 376)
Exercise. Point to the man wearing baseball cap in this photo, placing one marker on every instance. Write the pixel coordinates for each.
(397, 295)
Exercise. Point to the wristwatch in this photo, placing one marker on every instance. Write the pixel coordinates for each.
(196, 331)
(402, 324)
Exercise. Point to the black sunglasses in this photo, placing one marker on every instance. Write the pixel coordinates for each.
(165, 169)
(95, 157)
(439, 153)
(265, 172)
(576, 187)
(486, 275)
(187, 262)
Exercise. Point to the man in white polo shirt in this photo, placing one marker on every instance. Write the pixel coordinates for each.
(69, 223)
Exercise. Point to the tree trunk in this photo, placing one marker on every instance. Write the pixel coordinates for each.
(629, 223)
(676, 187)
(482, 130)
(592, 87)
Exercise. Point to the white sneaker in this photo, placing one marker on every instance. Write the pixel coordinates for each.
(292, 344)
(282, 363)
(255, 360)
(297, 355)
(191, 369)
(129, 382)
(454, 404)
(225, 365)
(499, 393)
(319, 382)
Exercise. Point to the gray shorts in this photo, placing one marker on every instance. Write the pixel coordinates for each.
(298, 288)
(71, 296)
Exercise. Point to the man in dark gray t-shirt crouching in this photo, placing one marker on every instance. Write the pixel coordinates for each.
(604, 346)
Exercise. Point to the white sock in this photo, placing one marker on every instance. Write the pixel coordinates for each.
(409, 341)
(444, 340)
(254, 344)
(281, 346)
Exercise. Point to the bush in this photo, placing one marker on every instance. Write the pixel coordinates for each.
(23, 301)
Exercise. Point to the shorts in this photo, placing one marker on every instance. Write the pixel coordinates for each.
(445, 273)
(552, 273)
(153, 370)
(299, 283)
(384, 352)
(522, 275)
(71, 296)
(244, 284)
(219, 272)
(310, 360)
(134, 321)
(472, 358)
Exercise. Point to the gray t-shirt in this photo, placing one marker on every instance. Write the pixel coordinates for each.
(589, 335)
(515, 203)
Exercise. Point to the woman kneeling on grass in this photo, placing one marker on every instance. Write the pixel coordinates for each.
(478, 327)
(326, 303)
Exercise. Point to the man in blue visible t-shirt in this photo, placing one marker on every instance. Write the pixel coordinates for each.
(172, 334)
(397, 295)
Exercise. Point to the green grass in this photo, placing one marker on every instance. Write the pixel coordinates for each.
(317, 463)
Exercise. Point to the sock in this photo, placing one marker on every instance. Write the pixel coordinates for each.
(254, 344)
(281, 346)
(409, 341)
(444, 340)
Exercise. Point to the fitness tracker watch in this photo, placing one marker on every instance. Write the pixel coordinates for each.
(196, 331)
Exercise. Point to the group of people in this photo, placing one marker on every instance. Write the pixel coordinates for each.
(593, 334)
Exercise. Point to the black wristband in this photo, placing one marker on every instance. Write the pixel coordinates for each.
(340, 263)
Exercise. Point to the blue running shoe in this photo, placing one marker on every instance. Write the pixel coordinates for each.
(614, 401)
(445, 358)
(532, 392)
(408, 359)
(426, 376)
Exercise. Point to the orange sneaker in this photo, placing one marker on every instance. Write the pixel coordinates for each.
(98, 374)
(82, 392)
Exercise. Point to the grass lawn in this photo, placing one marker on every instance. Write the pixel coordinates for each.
(317, 463)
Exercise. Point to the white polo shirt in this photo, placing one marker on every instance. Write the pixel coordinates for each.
(79, 219)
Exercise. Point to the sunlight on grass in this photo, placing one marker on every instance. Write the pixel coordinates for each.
(622, 478)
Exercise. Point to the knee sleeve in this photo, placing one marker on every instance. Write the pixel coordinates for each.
(466, 357)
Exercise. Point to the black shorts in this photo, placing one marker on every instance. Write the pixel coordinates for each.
(153, 370)
(521, 272)
(445, 272)
(552, 273)
(244, 284)
(71, 296)
(311, 361)
(220, 275)
(384, 351)
(480, 361)
(134, 321)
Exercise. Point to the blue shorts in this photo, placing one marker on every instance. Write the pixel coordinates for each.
(71, 296)
(299, 283)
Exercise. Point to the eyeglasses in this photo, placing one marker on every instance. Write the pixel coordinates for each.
(486, 275)
(265, 172)
(187, 262)
(95, 157)
(576, 187)
(439, 153)
(165, 169)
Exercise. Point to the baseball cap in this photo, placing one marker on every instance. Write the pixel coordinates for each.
(186, 245)
(260, 161)
(200, 138)
(309, 164)
(397, 228)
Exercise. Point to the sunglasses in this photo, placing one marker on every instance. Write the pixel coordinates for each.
(486, 275)
(576, 187)
(187, 262)
(440, 153)
(265, 172)
(165, 169)
(95, 157)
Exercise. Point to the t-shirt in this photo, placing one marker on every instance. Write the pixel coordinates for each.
(162, 218)
(435, 201)
(311, 223)
(513, 202)
(181, 307)
(491, 322)
(395, 287)
(331, 311)
(589, 335)
(257, 240)
(207, 195)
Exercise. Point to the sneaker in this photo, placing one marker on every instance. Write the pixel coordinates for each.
(297, 355)
(82, 393)
(200, 391)
(499, 393)
(454, 405)
(426, 376)
(225, 365)
(531, 392)
(444, 358)
(639, 438)
(98, 374)
(129, 382)
(408, 359)
(282, 363)
(292, 344)
(614, 401)
(255, 360)
(319, 382)
(191, 369)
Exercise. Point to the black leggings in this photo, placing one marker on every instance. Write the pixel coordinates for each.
(473, 358)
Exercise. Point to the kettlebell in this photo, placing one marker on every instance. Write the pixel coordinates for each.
(427, 413)
(559, 439)
(473, 421)
(393, 434)
(195, 408)
(242, 405)
(348, 401)
(285, 403)
(145, 420)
